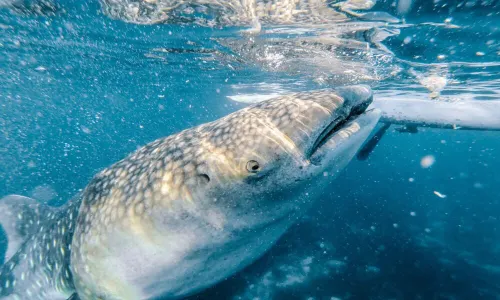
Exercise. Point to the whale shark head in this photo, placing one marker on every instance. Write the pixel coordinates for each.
(276, 146)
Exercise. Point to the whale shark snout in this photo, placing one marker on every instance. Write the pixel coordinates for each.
(309, 119)
(355, 101)
(188, 210)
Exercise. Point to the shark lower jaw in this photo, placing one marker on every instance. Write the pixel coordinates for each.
(345, 137)
(337, 125)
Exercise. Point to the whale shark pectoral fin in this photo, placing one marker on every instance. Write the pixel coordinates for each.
(370, 145)
(20, 219)
(74, 297)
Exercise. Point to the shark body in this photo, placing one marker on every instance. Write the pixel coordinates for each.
(188, 210)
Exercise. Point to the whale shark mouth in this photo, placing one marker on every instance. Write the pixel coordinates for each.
(338, 124)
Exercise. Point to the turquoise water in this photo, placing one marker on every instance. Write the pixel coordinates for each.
(80, 90)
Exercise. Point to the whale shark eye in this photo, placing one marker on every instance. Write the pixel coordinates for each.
(253, 166)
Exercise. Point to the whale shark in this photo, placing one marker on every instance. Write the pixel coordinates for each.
(188, 210)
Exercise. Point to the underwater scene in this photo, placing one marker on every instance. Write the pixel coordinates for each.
(249, 149)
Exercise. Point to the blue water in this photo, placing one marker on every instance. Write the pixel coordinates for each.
(79, 91)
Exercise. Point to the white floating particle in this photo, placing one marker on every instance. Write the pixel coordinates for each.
(85, 129)
(407, 40)
(442, 196)
(41, 68)
(325, 174)
(479, 53)
(441, 56)
(413, 213)
(427, 230)
(411, 179)
(427, 161)
(395, 225)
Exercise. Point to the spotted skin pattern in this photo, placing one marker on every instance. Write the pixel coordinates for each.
(183, 212)
(40, 267)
